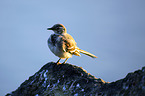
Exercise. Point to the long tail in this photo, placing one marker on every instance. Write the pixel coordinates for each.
(87, 53)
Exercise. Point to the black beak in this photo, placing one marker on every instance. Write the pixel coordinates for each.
(50, 29)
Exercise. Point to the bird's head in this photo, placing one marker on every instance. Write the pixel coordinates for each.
(58, 29)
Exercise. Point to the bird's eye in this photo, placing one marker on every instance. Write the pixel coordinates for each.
(57, 28)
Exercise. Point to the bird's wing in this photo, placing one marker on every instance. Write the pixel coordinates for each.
(69, 45)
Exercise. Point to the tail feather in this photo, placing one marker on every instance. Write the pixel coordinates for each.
(88, 54)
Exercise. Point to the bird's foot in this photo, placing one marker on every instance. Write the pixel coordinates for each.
(58, 63)
(63, 62)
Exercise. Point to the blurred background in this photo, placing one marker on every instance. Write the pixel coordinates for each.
(113, 30)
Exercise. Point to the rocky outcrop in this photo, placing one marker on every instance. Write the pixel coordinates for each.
(70, 80)
(132, 85)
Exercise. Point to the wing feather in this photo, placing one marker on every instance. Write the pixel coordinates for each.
(68, 44)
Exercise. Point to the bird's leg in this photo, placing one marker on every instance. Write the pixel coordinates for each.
(58, 61)
(65, 60)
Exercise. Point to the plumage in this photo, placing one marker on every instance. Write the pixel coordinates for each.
(63, 45)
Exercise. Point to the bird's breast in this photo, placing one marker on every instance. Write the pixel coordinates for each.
(54, 46)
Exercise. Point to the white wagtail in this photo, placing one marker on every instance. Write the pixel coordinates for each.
(63, 45)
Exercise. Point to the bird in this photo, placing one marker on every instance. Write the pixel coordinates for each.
(63, 45)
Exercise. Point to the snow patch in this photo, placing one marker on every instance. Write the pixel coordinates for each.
(45, 74)
(125, 87)
(48, 85)
(82, 90)
(36, 95)
(78, 85)
(45, 77)
(76, 94)
(58, 81)
(64, 87)
(32, 82)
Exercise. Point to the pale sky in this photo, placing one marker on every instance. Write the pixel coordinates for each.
(113, 30)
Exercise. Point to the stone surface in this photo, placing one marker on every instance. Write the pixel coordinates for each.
(70, 80)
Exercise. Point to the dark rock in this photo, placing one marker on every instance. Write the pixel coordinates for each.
(70, 80)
